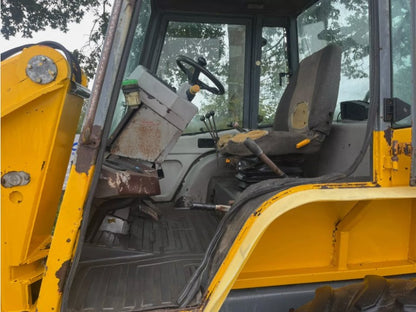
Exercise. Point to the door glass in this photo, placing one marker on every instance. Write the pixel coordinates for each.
(401, 42)
(222, 45)
(345, 23)
(274, 72)
(134, 58)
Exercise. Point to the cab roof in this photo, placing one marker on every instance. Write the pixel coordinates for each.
(278, 8)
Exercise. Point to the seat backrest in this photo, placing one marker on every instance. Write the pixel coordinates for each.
(309, 100)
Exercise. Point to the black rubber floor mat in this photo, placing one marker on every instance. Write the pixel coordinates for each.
(132, 285)
(146, 269)
(177, 230)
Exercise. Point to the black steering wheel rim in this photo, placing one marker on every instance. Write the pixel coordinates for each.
(193, 76)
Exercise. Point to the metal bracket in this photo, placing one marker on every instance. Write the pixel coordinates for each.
(395, 109)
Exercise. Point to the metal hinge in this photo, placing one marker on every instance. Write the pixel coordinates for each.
(80, 90)
(395, 109)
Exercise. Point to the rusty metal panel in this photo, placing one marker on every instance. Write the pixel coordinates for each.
(157, 124)
(115, 182)
(147, 136)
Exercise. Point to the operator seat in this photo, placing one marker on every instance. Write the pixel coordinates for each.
(305, 110)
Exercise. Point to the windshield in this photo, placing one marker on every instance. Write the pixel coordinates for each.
(134, 58)
(401, 56)
(223, 47)
(347, 25)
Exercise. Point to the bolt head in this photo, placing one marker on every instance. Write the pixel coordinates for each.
(15, 178)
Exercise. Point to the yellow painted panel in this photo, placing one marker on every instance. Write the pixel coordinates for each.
(382, 234)
(412, 235)
(64, 240)
(391, 168)
(401, 176)
(294, 238)
(38, 126)
(305, 238)
(302, 237)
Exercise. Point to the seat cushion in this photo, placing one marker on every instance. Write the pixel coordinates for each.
(275, 143)
(240, 137)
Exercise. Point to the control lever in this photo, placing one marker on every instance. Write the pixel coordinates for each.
(256, 150)
(207, 207)
(209, 130)
(212, 113)
(203, 206)
(236, 126)
(208, 116)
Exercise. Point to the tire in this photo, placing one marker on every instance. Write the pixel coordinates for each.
(375, 293)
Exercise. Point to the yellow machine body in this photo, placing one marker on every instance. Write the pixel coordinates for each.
(38, 124)
(305, 234)
(328, 232)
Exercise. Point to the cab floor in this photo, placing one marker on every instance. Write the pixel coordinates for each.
(146, 269)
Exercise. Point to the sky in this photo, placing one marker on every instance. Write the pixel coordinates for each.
(75, 38)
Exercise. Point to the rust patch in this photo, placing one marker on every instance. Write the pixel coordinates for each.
(388, 134)
(143, 136)
(87, 153)
(257, 213)
(404, 149)
(150, 137)
(344, 186)
(334, 233)
(62, 274)
(115, 182)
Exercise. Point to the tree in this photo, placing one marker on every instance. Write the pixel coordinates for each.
(28, 16)
(274, 66)
(345, 22)
(401, 50)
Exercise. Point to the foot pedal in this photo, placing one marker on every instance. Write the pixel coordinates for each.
(148, 208)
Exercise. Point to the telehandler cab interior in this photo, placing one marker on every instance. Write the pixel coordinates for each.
(236, 155)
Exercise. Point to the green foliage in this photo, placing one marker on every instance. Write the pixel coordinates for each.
(89, 55)
(273, 62)
(212, 42)
(189, 39)
(138, 39)
(345, 22)
(401, 50)
(26, 17)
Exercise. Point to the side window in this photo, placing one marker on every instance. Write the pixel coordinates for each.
(274, 72)
(134, 58)
(401, 42)
(346, 24)
(223, 46)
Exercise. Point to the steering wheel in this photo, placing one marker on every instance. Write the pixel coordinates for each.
(197, 68)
